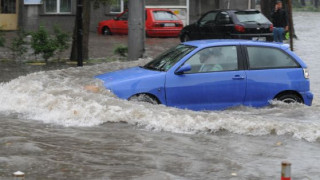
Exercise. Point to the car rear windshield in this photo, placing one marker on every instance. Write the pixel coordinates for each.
(169, 58)
(251, 17)
(164, 16)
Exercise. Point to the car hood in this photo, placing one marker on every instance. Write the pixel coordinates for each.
(134, 73)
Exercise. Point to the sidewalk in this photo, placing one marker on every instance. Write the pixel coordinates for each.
(103, 46)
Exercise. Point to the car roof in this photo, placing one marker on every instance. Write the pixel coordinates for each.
(223, 42)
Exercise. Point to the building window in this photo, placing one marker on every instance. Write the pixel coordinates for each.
(58, 6)
(7, 7)
(119, 6)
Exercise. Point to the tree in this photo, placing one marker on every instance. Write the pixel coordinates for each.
(316, 3)
(266, 7)
(86, 4)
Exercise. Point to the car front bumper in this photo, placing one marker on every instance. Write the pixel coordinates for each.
(307, 97)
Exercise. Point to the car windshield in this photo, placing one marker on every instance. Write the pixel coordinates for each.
(164, 16)
(251, 17)
(210, 17)
(166, 60)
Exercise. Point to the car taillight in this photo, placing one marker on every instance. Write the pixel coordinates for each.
(306, 73)
(239, 28)
(271, 28)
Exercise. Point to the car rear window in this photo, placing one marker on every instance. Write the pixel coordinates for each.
(251, 17)
(164, 16)
(269, 58)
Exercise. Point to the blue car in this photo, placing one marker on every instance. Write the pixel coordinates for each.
(215, 75)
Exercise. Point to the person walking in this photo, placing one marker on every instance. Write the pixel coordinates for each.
(280, 22)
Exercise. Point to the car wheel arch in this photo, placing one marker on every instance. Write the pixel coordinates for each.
(103, 30)
(185, 37)
(289, 93)
(154, 98)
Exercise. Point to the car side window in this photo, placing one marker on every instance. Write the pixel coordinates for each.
(221, 58)
(208, 18)
(124, 16)
(223, 18)
(267, 58)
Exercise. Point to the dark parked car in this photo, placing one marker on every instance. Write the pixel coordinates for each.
(229, 24)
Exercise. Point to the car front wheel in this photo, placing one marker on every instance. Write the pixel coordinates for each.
(144, 98)
(185, 38)
(289, 98)
(106, 31)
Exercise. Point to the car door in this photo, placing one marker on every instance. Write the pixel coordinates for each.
(270, 71)
(206, 25)
(120, 25)
(212, 89)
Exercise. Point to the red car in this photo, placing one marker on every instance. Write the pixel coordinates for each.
(159, 23)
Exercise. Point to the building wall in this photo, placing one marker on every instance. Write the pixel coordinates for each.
(34, 15)
(237, 4)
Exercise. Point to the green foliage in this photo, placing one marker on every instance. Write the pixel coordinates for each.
(2, 39)
(121, 50)
(44, 43)
(61, 39)
(18, 44)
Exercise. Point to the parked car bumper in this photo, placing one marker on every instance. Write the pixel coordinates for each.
(163, 33)
(264, 36)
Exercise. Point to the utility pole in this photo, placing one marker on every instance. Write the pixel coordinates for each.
(79, 32)
(136, 29)
(290, 24)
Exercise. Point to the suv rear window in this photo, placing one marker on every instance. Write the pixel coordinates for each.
(251, 17)
(164, 16)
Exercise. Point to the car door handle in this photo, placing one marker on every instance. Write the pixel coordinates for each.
(238, 77)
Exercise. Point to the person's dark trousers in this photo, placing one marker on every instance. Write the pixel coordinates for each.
(278, 34)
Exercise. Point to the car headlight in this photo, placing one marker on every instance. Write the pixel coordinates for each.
(306, 73)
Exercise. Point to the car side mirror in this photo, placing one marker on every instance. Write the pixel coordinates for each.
(182, 69)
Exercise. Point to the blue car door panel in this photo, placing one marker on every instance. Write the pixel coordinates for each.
(212, 90)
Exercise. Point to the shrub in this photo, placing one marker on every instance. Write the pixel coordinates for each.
(18, 44)
(42, 43)
(61, 39)
(121, 50)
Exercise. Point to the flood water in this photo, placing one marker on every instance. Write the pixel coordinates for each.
(51, 128)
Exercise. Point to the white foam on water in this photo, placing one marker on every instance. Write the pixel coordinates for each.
(59, 97)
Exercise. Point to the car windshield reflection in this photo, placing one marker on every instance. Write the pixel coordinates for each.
(169, 58)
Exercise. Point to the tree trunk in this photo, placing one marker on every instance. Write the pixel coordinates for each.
(266, 7)
(136, 36)
(86, 28)
(316, 3)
